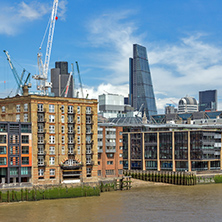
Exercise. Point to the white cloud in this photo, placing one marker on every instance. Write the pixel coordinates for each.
(14, 16)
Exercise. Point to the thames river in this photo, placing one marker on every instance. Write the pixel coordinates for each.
(153, 203)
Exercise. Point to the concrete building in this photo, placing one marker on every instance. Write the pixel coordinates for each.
(59, 79)
(110, 151)
(170, 108)
(173, 148)
(64, 136)
(208, 100)
(141, 94)
(111, 105)
(187, 105)
(15, 152)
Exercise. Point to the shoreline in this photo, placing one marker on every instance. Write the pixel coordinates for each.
(136, 183)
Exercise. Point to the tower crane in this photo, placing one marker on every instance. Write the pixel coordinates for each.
(43, 68)
(73, 80)
(80, 81)
(19, 80)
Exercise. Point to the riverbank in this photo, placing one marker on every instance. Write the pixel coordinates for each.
(136, 183)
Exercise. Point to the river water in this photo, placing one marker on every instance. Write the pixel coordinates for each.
(153, 203)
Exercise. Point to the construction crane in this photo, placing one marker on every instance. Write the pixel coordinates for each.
(73, 80)
(80, 81)
(43, 68)
(66, 89)
(19, 80)
(139, 110)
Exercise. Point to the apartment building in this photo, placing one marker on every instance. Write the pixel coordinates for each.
(15, 152)
(64, 136)
(110, 151)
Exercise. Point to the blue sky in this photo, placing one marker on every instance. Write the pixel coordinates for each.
(183, 41)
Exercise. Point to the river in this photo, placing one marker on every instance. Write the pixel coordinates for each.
(153, 203)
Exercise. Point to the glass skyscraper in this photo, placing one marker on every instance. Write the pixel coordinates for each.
(140, 83)
(208, 100)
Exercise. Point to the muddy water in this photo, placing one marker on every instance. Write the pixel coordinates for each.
(154, 203)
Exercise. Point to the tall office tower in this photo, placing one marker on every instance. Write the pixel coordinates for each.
(208, 100)
(141, 95)
(59, 79)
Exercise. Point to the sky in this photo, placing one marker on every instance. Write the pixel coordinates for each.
(183, 41)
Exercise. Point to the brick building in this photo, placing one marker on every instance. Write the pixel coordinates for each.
(110, 145)
(64, 136)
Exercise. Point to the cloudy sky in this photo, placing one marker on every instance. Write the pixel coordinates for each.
(183, 41)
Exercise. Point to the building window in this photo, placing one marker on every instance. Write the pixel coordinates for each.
(120, 172)
(2, 160)
(88, 119)
(70, 128)
(3, 109)
(98, 162)
(24, 170)
(63, 139)
(110, 172)
(51, 160)
(51, 139)
(78, 139)
(88, 110)
(17, 117)
(70, 149)
(18, 108)
(120, 140)
(51, 150)
(51, 108)
(88, 171)
(88, 129)
(120, 133)
(40, 139)
(109, 155)
(51, 129)
(40, 107)
(78, 109)
(25, 150)
(2, 149)
(13, 171)
(41, 172)
(25, 139)
(120, 162)
(70, 109)
(63, 149)
(40, 160)
(26, 107)
(78, 119)
(79, 150)
(109, 162)
(70, 118)
(25, 117)
(120, 155)
(63, 119)
(25, 160)
(78, 129)
(51, 118)
(2, 138)
(52, 172)
(99, 173)
(120, 147)
(63, 129)
(62, 109)
(40, 149)
(70, 139)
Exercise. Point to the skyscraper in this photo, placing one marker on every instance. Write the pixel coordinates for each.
(141, 95)
(59, 79)
(208, 100)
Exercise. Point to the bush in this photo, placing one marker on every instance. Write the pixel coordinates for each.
(218, 178)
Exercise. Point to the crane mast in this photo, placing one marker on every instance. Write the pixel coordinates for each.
(43, 68)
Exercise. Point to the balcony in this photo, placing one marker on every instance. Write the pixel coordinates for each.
(41, 141)
(71, 142)
(111, 136)
(42, 164)
(89, 112)
(110, 150)
(100, 143)
(89, 132)
(89, 142)
(41, 120)
(100, 150)
(72, 152)
(71, 131)
(73, 167)
(89, 162)
(89, 152)
(217, 145)
(110, 143)
(42, 153)
(90, 122)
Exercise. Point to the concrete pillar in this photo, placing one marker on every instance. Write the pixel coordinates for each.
(189, 161)
(129, 149)
(143, 152)
(173, 152)
(208, 165)
(158, 151)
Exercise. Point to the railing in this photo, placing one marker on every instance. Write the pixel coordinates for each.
(110, 150)
(42, 153)
(42, 164)
(100, 150)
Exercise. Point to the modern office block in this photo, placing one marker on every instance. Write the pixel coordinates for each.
(59, 79)
(187, 105)
(141, 94)
(208, 100)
